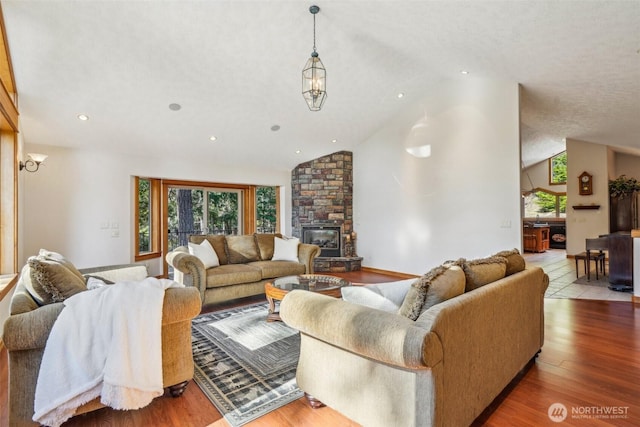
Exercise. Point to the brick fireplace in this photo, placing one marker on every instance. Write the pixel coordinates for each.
(322, 197)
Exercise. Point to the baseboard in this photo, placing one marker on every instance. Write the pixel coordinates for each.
(635, 299)
(389, 273)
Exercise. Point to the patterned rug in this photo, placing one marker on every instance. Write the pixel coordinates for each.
(245, 365)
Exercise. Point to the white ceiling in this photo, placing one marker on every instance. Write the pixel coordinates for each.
(235, 68)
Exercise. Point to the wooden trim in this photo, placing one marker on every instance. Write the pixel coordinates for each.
(165, 226)
(249, 210)
(7, 283)
(278, 225)
(545, 190)
(182, 183)
(389, 273)
(8, 103)
(635, 299)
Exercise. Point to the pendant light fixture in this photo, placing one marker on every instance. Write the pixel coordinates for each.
(314, 76)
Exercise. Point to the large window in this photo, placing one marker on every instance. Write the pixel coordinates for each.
(168, 211)
(545, 204)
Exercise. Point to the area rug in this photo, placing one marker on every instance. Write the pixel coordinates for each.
(245, 365)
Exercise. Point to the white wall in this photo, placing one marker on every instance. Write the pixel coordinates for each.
(626, 164)
(581, 224)
(75, 192)
(412, 213)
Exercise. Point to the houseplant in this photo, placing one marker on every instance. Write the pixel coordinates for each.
(622, 187)
(623, 204)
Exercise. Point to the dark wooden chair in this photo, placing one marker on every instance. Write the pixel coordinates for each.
(599, 244)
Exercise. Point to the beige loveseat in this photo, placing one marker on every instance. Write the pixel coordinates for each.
(246, 264)
(382, 369)
(29, 324)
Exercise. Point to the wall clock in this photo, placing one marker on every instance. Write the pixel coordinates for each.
(586, 184)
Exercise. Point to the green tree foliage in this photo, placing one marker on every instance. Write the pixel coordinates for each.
(559, 168)
(144, 216)
(266, 209)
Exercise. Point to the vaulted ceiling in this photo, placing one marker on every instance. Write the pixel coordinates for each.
(235, 66)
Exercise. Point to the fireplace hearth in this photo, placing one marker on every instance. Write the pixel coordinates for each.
(326, 236)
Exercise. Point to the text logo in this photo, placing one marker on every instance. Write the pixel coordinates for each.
(557, 412)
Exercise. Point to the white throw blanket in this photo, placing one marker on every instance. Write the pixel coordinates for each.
(106, 342)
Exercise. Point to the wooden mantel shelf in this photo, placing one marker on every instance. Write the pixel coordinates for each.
(585, 207)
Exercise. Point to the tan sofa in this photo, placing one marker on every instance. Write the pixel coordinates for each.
(29, 324)
(245, 266)
(381, 369)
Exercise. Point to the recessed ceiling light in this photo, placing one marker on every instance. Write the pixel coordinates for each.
(334, 140)
(83, 117)
(465, 72)
(298, 151)
(212, 138)
(275, 128)
(400, 95)
(174, 107)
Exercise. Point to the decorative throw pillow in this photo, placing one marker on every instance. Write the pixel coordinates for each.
(285, 249)
(265, 244)
(447, 286)
(515, 261)
(242, 249)
(482, 271)
(218, 242)
(441, 278)
(52, 281)
(55, 256)
(205, 253)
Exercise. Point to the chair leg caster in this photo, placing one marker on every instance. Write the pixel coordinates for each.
(176, 390)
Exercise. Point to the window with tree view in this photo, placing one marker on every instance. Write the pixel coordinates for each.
(148, 217)
(545, 204)
(266, 209)
(558, 169)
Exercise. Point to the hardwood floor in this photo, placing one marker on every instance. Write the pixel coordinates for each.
(590, 362)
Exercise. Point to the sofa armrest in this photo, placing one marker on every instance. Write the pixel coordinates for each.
(378, 335)
(306, 254)
(180, 304)
(188, 269)
(116, 273)
(30, 330)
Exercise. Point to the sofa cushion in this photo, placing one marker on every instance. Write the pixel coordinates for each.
(219, 245)
(232, 274)
(265, 244)
(273, 269)
(515, 261)
(480, 272)
(205, 253)
(285, 249)
(242, 249)
(51, 281)
(441, 283)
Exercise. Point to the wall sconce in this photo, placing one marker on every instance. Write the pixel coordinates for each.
(33, 162)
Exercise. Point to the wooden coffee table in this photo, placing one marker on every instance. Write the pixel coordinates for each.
(322, 284)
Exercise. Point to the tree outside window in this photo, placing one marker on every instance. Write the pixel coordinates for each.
(558, 169)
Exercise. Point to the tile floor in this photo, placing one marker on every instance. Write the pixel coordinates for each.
(562, 274)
